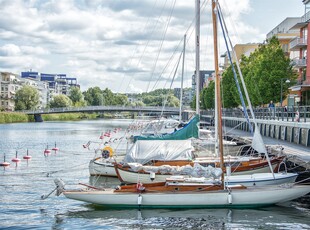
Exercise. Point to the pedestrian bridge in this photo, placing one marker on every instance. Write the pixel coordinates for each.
(92, 109)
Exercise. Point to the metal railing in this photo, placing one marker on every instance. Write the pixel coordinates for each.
(291, 113)
(102, 109)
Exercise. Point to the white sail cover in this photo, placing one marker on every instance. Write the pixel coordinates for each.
(166, 150)
(257, 142)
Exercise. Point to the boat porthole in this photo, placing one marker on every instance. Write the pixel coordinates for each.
(176, 189)
(199, 189)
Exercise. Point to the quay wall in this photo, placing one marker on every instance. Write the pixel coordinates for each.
(294, 132)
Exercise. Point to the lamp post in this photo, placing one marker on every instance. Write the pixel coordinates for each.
(287, 81)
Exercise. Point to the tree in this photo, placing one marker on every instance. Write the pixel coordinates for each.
(208, 96)
(229, 91)
(93, 96)
(264, 70)
(60, 101)
(172, 101)
(76, 96)
(26, 98)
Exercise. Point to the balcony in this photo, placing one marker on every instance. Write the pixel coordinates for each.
(298, 43)
(299, 63)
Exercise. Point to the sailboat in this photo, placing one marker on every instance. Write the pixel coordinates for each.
(189, 195)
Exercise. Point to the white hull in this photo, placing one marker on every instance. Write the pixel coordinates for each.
(250, 197)
(101, 167)
(248, 178)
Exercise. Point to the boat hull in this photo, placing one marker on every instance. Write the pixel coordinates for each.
(100, 167)
(254, 177)
(246, 198)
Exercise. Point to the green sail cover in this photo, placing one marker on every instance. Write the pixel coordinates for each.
(188, 131)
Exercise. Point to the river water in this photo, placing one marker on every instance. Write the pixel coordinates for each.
(22, 186)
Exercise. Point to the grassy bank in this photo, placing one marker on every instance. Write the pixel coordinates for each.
(68, 116)
(14, 117)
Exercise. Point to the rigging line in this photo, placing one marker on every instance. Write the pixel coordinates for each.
(220, 16)
(239, 70)
(148, 41)
(136, 48)
(161, 45)
(175, 72)
(232, 22)
(204, 4)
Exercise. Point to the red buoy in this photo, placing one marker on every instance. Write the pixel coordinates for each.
(27, 157)
(101, 136)
(55, 148)
(4, 163)
(16, 159)
(47, 151)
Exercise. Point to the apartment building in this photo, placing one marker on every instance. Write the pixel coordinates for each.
(239, 49)
(9, 84)
(300, 45)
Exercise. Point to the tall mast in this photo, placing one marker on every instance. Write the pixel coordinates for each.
(197, 37)
(218, 89)
(181, 93)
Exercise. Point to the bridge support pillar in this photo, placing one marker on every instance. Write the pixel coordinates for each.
(38, 118)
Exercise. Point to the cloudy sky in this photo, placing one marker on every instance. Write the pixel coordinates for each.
(125, 45)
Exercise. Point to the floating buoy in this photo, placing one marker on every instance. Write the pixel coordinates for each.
(55, 148)
(47, 151)
(27, 157)
(4, 163)
(86, 145)
(101, 136)
(16, 159)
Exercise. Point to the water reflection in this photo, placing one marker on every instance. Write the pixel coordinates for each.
(270, 218)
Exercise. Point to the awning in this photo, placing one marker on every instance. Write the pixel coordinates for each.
(298, 87)
(295, 88)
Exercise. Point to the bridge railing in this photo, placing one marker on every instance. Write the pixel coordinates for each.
(101, 108)
(291, 113)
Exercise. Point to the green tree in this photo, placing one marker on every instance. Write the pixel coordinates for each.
(208, 96)
(172, 101)
(26, 98)
(94, 96)
(229, 91)
(76, 96)
(60, 101)
(263, 71)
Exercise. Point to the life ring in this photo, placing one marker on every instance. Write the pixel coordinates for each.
(107, 152)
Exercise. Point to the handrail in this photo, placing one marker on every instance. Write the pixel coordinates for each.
(102, 108)
(290, 113)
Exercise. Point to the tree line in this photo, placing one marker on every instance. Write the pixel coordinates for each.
(27, 98)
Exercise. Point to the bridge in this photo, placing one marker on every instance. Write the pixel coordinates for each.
(92, 109)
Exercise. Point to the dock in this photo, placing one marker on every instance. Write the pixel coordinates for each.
(298, 155)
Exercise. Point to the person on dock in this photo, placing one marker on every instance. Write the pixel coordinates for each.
(271, 108)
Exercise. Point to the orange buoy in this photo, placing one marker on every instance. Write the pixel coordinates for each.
(4, 163)
(27, 157)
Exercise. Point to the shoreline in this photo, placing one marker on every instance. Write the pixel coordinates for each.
(18, 117)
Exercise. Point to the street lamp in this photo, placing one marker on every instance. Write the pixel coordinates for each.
(287, 81)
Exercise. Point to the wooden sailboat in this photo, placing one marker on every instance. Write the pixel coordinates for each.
(188, 195)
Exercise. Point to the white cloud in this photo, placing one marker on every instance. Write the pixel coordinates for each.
(10, 50)
(112, 43)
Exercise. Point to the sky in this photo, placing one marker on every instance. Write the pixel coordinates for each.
(130, 46)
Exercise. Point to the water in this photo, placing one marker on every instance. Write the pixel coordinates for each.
(21, 188)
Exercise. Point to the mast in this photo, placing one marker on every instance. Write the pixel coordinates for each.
(181, 93)
(218, 89)
(197, 36)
